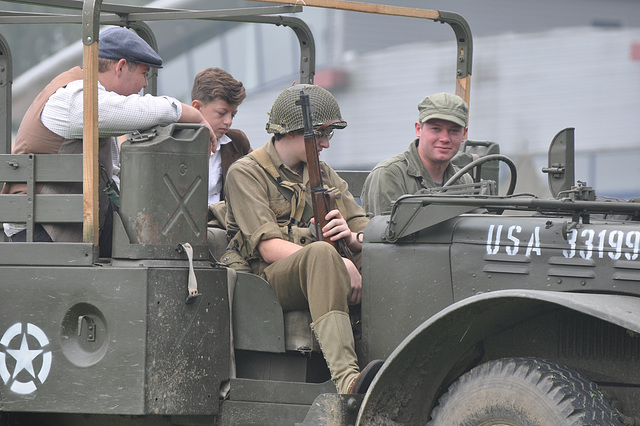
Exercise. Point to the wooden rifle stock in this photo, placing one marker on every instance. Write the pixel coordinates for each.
(322, 199)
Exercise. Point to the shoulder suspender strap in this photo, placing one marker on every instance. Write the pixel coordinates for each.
(301, 211)
(261, 157)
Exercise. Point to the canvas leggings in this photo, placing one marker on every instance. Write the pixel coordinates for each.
(314, 277)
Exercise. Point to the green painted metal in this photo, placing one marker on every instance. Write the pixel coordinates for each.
(257, 316)
(76, 364)
(451, 340)
(449, 281)
(32, 208)
(6, 81)
(473, 149)
(90, 21)
(273, 402)
(561, 156)
(278, 392)
(148, 351)
(165, 201)
(464, 42)
(187, 347)
(46, 254)
(333, 409)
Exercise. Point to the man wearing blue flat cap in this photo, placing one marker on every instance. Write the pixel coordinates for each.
(119, 43)
(53, 124)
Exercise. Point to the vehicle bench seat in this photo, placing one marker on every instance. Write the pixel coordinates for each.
(259, 323)
(217, 242)
(264, 309)
(298, 335)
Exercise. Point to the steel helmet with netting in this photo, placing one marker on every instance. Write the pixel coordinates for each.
(285, 116)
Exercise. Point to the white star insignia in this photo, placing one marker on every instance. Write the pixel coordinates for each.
(24, 357)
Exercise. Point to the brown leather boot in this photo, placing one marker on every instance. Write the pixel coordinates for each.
(363, 380)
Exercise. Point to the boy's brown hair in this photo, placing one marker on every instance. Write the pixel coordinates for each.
(213, 83)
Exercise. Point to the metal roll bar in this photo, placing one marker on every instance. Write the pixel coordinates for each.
(95, 13)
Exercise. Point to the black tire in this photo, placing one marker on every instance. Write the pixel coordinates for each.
(523, 392)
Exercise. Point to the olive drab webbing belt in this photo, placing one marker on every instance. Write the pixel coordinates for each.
(294, 193)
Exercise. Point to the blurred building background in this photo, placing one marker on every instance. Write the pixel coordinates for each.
(538, 67)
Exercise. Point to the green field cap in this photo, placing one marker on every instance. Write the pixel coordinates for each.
(444, 106)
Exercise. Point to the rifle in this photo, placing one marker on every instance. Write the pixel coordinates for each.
(322, 199)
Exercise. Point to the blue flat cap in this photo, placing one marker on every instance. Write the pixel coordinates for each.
(118, 42)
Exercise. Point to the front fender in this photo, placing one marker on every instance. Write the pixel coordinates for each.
(405, 389)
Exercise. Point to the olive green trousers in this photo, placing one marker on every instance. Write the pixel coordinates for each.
(313, 278)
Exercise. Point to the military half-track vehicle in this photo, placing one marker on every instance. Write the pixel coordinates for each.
(487, 309)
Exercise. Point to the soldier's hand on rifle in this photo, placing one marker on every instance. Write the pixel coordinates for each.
(337, 228)
(356, 282)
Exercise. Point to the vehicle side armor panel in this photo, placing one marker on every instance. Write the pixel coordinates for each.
(405, 299)
(92, 324)
(493, 252)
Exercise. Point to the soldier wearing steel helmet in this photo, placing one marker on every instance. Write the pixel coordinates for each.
(278, 244)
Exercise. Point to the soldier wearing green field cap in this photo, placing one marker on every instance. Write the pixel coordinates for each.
(440, 129)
